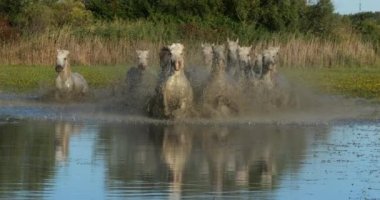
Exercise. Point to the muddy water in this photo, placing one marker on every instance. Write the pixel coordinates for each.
(49, 159)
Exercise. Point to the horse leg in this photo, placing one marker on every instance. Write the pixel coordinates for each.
(165, 104)
(57, 95)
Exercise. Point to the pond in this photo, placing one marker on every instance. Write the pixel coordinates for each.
(84, 151)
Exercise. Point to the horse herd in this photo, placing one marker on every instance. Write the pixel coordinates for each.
(234, 79)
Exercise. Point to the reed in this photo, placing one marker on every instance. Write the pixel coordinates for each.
(115, 44)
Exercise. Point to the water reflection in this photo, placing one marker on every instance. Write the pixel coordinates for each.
(202, 160)
(63, 131)
(215, 144)
(251, 158)
(176, 149)
(27, 159)
(63, 160)
(131, 156)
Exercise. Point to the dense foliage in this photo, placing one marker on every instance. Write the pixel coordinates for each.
(265, 15)
(162, 20)
(368, 24)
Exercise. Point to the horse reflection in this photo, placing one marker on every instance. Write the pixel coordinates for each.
(63, 132)
(215, 143)
(132, 153)
(176, 148)
(221, 157)
(248, 157)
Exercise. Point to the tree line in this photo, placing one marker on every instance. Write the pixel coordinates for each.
(260, 16)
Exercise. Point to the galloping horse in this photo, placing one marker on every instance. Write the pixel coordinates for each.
(219, 95)
(232, 67)
(68, 84)
(174, 94)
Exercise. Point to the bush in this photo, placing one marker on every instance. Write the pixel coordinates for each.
(72, 12)
(7, 32)
(37, 17)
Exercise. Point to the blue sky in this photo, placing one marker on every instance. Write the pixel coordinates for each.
(352, 6)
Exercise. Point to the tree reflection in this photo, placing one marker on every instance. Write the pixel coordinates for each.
(29, 152)
(27, 157)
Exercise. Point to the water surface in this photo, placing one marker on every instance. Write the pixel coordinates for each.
(61, 159)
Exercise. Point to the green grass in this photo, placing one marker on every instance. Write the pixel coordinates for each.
(27, 78)
(352, 82)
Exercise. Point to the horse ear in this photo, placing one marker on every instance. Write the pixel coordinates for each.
(237, 40)
(228, 39)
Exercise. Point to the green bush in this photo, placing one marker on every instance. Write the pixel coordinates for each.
(72, 12)
(37, 17)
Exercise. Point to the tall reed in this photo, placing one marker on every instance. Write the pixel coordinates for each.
(104, 47)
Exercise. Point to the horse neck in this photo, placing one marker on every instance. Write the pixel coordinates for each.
(66, 72)
(268, 76)
(232, 56)
(177, 73)
(218, 67)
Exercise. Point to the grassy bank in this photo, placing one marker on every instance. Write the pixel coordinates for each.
(28, 78)
(348, 81)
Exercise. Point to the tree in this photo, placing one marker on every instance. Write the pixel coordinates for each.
(11, 8)
(321, 17)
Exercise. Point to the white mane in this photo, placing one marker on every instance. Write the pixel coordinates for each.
(176, 49)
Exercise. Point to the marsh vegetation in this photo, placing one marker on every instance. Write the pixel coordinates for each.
(108, 33)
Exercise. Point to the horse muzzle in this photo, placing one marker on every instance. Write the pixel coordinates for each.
(58, 68)
(142, 66)
(176, 65)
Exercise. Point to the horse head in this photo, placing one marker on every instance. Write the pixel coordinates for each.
(177, 59)
(142, 56)
(62, 60)
(219, 58)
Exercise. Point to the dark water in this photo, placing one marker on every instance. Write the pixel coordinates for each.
(66, 160)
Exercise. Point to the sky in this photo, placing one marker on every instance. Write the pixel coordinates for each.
(352, 6)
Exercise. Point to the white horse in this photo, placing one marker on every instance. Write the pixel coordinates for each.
(207, 55)
(245, 62)
(219, 95)
(134, 74)
(174, 94)
(68, 83)
(140, 83)
(269, 67)
(232, 57)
